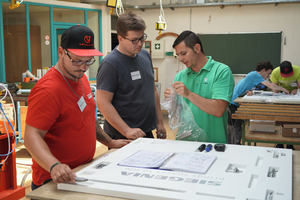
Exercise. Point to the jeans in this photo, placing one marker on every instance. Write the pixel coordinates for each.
(234, 126)
(34, 186)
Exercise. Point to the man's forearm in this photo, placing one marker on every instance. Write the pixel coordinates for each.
(159, 117)
(274, 86)
(101, 135)
(215, 107)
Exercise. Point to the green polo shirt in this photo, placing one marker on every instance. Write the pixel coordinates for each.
(214, 81)
(289, 83)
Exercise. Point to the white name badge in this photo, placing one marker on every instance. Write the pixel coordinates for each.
(135, 75)
(81, 103)
(293, 84)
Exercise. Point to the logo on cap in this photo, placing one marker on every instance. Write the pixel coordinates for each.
(286, 69)
(87, 39)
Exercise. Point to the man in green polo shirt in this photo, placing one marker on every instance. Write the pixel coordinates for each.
(205, 84)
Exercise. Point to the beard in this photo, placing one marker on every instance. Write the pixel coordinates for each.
(72, 75)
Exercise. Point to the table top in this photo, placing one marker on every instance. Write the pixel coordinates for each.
(263, 101)
(50, 191)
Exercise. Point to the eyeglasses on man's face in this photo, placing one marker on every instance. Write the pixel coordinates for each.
(142, 39)
(79, 63)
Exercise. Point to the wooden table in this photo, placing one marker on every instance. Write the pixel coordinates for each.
(16, 97)
(50, 191)
(280, 112)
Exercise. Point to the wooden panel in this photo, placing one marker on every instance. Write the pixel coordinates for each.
(266, 117)
(36, 49)
(278, 112)
(289, 103)
(271, 105)
(15, 45)
(271, 114)
(23, 113)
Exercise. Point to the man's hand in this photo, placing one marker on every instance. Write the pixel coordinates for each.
(294, 92)
(181, 89)
(167, 92)
(62, 173)
(287, 92)
(249, 92)
(134, 133)
(118, 143)
(161, 131)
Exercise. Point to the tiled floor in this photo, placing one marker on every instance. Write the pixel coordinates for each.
(24, 159)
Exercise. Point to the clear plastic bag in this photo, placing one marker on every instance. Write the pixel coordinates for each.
(181, 119)
(298, 93)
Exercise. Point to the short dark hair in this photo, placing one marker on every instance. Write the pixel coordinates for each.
(264, 65)
(129, 22)
(190, 39)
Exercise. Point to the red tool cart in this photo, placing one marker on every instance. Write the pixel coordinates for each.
(8, 171)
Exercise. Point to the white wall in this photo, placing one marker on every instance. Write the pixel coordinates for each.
(284, 17)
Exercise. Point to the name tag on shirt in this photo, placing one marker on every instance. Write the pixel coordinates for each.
(81, 103)
(135, 75)
(293, 84)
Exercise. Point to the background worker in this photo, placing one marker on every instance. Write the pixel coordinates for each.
(287, 76)
(252, 79)
(205, 84)
(61, 129)
(126, 93)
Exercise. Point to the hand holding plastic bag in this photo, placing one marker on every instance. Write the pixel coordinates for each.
(181, 119)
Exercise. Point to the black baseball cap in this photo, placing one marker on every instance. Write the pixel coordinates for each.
(80, 41)
(286, 69)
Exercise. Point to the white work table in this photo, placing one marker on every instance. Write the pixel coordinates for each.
(219, 182)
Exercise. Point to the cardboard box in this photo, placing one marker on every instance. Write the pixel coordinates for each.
(8, 109)
(290, 130)
(262, 125)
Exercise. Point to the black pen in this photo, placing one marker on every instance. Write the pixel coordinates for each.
(202, 147)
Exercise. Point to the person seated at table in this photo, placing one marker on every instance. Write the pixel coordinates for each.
(287, 76)
(252, 80)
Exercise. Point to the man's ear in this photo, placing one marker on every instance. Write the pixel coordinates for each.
(60, 51)
(197, 48)
(120, 38)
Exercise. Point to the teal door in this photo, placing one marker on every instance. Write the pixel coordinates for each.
(58, 30)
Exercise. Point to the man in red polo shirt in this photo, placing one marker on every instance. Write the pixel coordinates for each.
(61, 129)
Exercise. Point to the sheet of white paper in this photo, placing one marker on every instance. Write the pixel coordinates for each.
(146, 159)
(190, 162)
